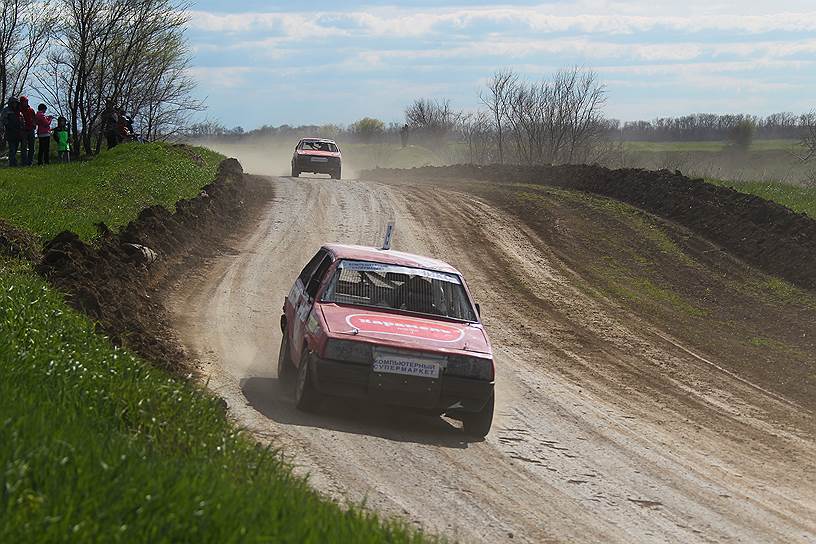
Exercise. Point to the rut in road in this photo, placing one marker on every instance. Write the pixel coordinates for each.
(606, 429)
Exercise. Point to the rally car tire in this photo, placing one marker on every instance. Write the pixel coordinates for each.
(295, 172)
(477, 424)
(336, 174)
(286, 371)
(307, 398)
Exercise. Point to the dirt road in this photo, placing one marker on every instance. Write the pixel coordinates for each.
(607, 429)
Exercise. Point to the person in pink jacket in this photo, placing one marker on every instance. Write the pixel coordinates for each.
(43, 135)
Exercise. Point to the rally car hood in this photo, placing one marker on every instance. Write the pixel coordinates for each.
(317, 153)
(400, 330)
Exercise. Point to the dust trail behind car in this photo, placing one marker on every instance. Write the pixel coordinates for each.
(273, 156)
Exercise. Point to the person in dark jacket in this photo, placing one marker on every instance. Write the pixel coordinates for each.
(28, 138)
(404, 135)
(13, 123)
(111, 119)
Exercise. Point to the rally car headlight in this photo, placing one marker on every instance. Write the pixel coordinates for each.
(470, 367)
(348, 350)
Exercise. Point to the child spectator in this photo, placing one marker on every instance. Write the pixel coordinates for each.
(61, 136)
(43, 135)
(27, 140)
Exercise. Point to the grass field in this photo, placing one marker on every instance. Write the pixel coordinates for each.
(97, 445)
(798, 199)
(714, 147)
(112, 188)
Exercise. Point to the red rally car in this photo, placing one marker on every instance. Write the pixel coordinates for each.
(391, 327)
(318, 156)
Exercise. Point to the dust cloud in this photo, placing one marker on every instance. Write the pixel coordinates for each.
(272, 157)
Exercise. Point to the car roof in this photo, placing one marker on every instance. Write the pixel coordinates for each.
(388, 256)
(318, 140)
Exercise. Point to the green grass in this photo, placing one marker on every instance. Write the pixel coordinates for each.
(624, 272)
(797, 198)
(112, 188)
(98, 446)
(662, 147)
(623, 284)
(637, 219)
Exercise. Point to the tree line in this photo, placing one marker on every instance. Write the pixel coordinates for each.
(84, 58)
(713, 127)
(556, 119)
(367, 130)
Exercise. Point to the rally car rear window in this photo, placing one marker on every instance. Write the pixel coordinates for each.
(415, 290)
(319, 146)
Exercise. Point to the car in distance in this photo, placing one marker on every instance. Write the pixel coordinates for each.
(317, 156)
(391, 327)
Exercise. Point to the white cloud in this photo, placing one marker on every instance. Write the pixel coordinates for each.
(514, 50)
(292, 25)
(739, 50)
(707, 67)
(546, 19)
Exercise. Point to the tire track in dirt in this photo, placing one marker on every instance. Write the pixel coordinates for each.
(604, 430)
(693, 394)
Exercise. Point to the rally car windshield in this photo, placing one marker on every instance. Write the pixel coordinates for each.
(415, 290)
(319, 146)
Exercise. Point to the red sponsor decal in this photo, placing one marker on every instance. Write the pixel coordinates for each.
(404, 326)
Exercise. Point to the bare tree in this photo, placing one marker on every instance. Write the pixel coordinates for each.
(25, 26)
(433, 120)
(585, 98)
(129, 54)
(74, 62)
(478, 132)
(808, 141)
(499, 87)
(554, 120)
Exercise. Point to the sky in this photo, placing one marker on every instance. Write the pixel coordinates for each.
(317, 62)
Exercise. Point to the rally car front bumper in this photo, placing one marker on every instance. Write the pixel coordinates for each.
(445, 394)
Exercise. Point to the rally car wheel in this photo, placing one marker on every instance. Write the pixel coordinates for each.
(285, 369)
(336, 174)
(478, 423)
(295, 172)
(307, 398)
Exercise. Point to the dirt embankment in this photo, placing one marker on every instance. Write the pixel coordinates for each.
(15, 242)
(118, 280)
(763, 233)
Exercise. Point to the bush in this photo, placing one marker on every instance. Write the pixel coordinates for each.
(742, 134)
(98, 446)
(368, 129)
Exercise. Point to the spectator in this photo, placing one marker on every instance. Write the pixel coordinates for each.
(111, 125)
(404, 135)
(27, 140)
(124, 126)
(12, 121)
(61, 136)
(43, 135)
(131, 131)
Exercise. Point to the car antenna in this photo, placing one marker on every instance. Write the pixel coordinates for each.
(389, 232)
